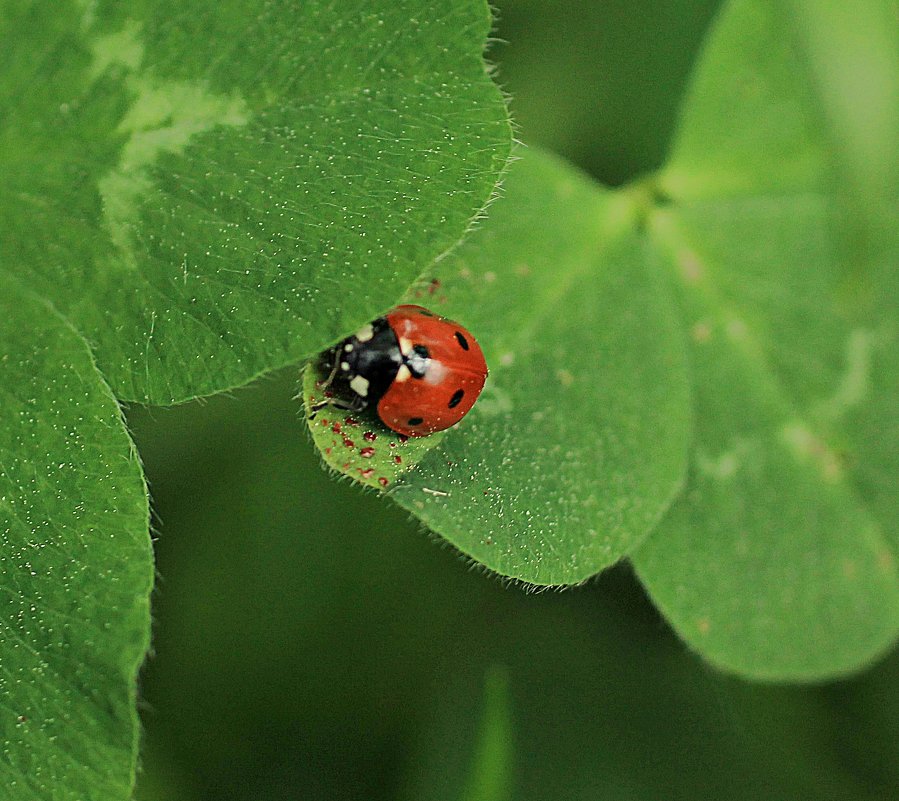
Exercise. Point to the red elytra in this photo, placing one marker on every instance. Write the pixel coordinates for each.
(422, 372)
(451, 382)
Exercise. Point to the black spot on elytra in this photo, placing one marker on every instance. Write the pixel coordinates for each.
(457, 398)
(463, 342)
(415, 421)
(422, 351)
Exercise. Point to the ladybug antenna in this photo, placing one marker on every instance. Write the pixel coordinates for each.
(333, 374)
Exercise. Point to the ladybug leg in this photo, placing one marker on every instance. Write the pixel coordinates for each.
(323, 385)
(316, 408)
(355, 405)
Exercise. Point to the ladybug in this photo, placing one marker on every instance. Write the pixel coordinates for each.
(421, 372)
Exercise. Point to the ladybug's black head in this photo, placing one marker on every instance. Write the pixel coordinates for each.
(367, 362)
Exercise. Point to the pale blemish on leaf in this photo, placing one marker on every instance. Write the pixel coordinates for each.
(494, 401)
(727, 464)
(809, 447)
(885, 560)
(120, 49)
(855, 383)
(691, 268)
(701, 331)
(737, 330)
(163, 118)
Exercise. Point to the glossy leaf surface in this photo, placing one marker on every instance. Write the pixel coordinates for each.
(212, 191)
(578, 441)
(76, 566)
(777, 562)
(204, 192)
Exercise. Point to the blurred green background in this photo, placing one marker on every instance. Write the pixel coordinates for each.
(310, 641)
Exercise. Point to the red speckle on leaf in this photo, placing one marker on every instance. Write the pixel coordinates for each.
(325, 423)
(403, 438)
(367, 453)
(336, 428)
(351, 421)
(383, 481)
(398, 459)
(367, 473)
(433, 286)
(348, 442)
(328, 393)
(346, 465)
(328, 451)
(369, 436)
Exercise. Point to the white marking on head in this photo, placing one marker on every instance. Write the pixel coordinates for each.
(365, 333)
(403, 374)
(405, 346)
(344, 366)
(348, 347)
(359, 385)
